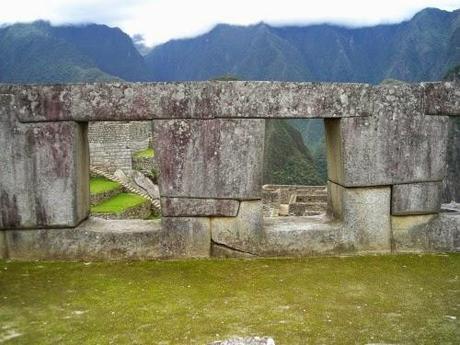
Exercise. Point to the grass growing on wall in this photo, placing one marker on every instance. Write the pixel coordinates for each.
(100, 184)
(403, 299)
(147, 153)
(118, 203)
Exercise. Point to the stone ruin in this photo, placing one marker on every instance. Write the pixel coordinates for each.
(293, 200)
(386, 162)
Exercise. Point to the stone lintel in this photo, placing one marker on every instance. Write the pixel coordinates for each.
(190, 100)
(416, 198)
(189, 207)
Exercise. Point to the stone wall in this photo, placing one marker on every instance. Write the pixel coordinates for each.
(386, 163)
(112, 143)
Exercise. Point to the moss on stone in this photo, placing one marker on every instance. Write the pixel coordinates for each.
(119, 203)
(335, 300)
(101, 184)
(147, 153)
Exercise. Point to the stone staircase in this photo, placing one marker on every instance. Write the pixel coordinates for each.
(294, 200)
(308, 202)
(128, 186)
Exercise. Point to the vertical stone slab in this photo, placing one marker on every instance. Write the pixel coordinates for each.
(397, 144)
(3, 245)
(44, 172)
(365, 214)
(211, 158)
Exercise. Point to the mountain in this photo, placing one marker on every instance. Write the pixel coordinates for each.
(41, 53)
(423, 48)
(288, 160)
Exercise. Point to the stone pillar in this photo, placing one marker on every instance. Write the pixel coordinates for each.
(398, 153)
(44, 172)
(212, 169)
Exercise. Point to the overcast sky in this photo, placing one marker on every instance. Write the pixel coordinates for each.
(161, 20)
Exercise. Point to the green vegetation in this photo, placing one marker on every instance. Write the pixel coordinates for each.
(147, 153)
(286, 158)
(119, 203)
(100, 184)
(41, 53)
(420, 49)
(343, 300)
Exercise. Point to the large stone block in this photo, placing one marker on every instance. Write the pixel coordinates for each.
(410, 232)
(218, 158)
(242, 233)
(185, 207)
(44, 172)
(133, 101)
(300, 236)
(365, 216)
(94, 239)
(185, 237)
(416, 198)
(444, 233)
(398, 144)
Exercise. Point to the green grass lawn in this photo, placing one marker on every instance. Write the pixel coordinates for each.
(118, 203)
(349, 300)
(147, 153)
(100, 184)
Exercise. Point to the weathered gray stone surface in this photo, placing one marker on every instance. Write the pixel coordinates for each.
(444, 233)
(365, 216)
(416, 198)
(131, 101)
(451, 183)
(245, 341)
(243, 233)
(186, 237)
(134, 101)
(298, 100)
(422, 233)
(211, 158)
(442, 98)
(145, 184)
(300, 236)
(409, 233)
(221, 251)
(44, 172)
(3, 246)
(188, 207)
(398, 144)
(95, 239)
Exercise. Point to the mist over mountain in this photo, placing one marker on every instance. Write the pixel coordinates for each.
(423, 48)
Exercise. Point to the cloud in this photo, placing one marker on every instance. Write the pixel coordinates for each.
(162, 20)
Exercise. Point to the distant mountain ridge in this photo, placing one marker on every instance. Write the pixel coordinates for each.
(423, 48)
(41, 53)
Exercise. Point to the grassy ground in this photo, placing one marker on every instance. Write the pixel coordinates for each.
(100, 184)
(147, 153)
(351, 300)
(118, 203)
